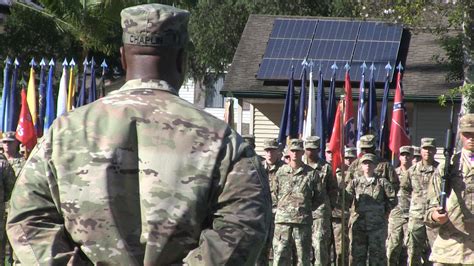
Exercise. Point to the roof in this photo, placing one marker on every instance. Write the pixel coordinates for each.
(424, 79)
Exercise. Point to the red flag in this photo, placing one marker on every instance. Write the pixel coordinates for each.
(399, 135)
(25, 131)
(350, 136)
(335, 143)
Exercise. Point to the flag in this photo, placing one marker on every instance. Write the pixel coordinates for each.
(62, 94)
(5, 95)
(229, 112)
(349, 128)
(288, 127)
(71, 86)
(321, 122)
(361, 110)
(383, 114)
(93, 88)
(31, 92)
(331, 112)
(26, 131)
(82, 92)
(309, 129)
(49, 114)
(335, 144)
(399, 135)
(373, 118)
(12, 115)
(302, 102)
(41, 101)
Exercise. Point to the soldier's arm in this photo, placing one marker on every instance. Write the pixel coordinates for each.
(390, 194)
(35, 226)
(350, 193)
(332, 186)
(241, 210)
(9, 179)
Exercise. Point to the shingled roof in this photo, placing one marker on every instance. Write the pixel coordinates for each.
(424, 79)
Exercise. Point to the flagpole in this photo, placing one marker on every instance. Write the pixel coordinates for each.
(343, 216)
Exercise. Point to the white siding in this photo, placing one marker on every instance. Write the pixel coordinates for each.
(266, 123)
(187, 91)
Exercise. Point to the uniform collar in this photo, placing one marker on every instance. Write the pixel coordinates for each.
(153, 84)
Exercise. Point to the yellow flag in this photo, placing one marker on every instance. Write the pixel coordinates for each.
(72, 87)
(31, 95)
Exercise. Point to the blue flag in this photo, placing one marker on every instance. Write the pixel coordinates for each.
(332, 104)
(13, 112)
(50, 114)
(93, 87)
(302, 102)
(41, 100)
(362, 110)
(287, 124)
(373, 117)
(81, 100)
(382, 141)
(5, 95)
(321, 118)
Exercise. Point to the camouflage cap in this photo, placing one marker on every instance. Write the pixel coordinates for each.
(312, 142)
(416, 151)
(9, 136)
(350, 152)
(155, 25)
(406, 149)
(296, 145)
(367, 141)
(368, 157)
(428, 143)
(466, 123)
(270, 144)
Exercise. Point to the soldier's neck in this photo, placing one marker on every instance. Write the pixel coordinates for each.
(428, 162)
(296, 164)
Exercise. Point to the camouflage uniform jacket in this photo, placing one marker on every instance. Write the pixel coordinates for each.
(372, 201)
(416, 182)
(297, 194)
(455, 242)
(271, 172)
(403, 196)
(140, 177)
(383, 169)
(17, 164)
(329, 189)
(8, 176)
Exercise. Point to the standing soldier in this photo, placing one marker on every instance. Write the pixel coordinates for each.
(455, 243)
(297, 194)
(373, 198)
(383, 167)
(418, 179)
(271, 165)
(350, 154)
(398, 220)
(322, 235)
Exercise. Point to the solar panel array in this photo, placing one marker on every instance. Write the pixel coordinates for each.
(325, 42)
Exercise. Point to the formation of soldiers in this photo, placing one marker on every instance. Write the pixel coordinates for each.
(367, 212)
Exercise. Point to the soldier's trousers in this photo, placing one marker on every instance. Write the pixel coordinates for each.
(368, 244)
(418, 248)
(321, 240)
(292, 243)
(266, 254)
(337, 227)
(396, 241)
(3, 235)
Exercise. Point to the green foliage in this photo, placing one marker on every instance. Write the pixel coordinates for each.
(466, 91)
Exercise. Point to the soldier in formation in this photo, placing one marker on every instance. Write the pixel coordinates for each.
(157, 182)
(297, 194)
(322, 235)
(398, 220)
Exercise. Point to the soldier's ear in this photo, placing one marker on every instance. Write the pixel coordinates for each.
(123, 60)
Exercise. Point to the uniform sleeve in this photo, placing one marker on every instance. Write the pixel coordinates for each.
(35, 226)
(393, 177)
(331, 186)
(9, 179)
(350, 193)
(318, 191)
(391, 195)
(241, 210)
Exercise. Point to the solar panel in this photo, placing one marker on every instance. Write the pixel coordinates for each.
(325, 42)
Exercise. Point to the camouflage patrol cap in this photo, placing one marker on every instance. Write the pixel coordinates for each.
(350, 152)
(155, 25)
(406, 149)
(466, 123)
(367, 141)
(270, 144)
(9, 136)
(296, 145)
(368, 157)
(416, 151)
(428, 143)
(312, 142)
